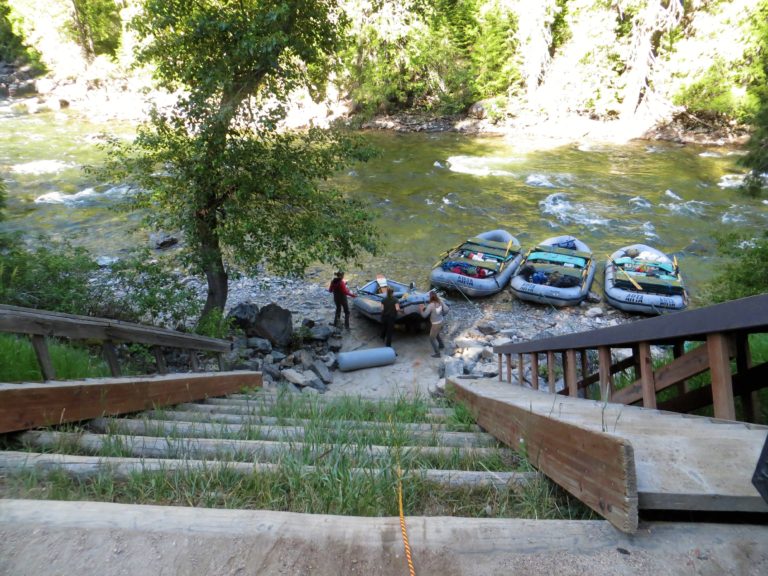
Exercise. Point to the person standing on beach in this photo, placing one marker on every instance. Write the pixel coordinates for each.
(435, 311)
(340, 292)
(389, 311)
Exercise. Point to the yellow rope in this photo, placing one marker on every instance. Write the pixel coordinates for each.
(402, 522)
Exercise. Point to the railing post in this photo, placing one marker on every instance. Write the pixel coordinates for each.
(521, 368)
(606, 381)
(644, 365)
(584, 370)
(110, 355)
(162, 368)
(535, 370)
(509, 368)
(749, 400)
(40, 346)
(551, 372)
(570, 373)
(500, 367)
(193, 361)
(720, 370)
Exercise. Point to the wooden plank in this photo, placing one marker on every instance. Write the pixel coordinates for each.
(218, 448)
(593, 466)
(509, 368)
(744, 383)
(110, 355)
(551, 372)
(521, 369)
(535, 371)
(84, 467)
(570, 373)
(24, 406)
(720, 370)
(40, 347)
(748, 315)
(690, 364)
(20, 320)
(606, 382)
(682, 462)
(162, 367)
(645, 369)
(500, 367)
(750, 401)
(162, 427)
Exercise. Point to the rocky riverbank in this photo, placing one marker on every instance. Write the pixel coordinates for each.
(308, 364)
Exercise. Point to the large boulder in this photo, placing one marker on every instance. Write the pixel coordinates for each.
(244, 316)
(274, 323)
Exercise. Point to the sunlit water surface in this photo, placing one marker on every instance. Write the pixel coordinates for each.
(428, 192)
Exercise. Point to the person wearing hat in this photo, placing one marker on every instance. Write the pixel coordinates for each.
(340, 292)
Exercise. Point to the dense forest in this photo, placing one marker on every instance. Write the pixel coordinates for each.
(702, 60)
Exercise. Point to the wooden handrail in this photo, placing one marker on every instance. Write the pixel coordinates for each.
(39, 324)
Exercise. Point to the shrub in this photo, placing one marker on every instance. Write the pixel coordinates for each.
(18, 362)
(745, 275)
(51, 276)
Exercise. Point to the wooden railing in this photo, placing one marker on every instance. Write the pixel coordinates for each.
(719, 334)
(40, 324)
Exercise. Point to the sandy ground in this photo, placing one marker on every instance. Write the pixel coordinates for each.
(411, 374)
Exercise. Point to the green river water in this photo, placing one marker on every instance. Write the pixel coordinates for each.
(429, 192)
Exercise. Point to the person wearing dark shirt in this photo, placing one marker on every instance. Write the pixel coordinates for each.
(389, 310)
(340, 292)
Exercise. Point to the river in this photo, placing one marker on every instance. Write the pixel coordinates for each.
(429, 191)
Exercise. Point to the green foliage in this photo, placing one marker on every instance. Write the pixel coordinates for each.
(216, 167)
(719, 94)
(96, 26)
(757, 155)
(13, 47)
(141, 288)
(51, 276)
(747, 273)
(495, 66)
(18, 362)
(215, 324)
(559, 29)
(441, 58)
(2, 200)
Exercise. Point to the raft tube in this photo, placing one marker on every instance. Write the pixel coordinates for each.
(668, 295)
(369, 358)
(577, 261)
(503, 261)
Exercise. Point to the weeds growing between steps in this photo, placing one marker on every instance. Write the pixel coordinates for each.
(333, 470)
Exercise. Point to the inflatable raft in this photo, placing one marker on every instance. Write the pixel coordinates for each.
(639, 278)
(481, 266)
(558, 271)
(369, 297)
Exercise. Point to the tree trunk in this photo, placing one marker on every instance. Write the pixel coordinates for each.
(213, 266)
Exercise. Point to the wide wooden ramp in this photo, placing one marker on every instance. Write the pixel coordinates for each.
(24, 406)
(613, 456)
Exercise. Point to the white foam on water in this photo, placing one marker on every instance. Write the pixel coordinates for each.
(670, 194)
(447, 201)
(640, 202)
(352, 173)
(429, 201)
(437, 164)
(86, 197)
(565, 212)
(710, 155)
(731, 181)
(540, 180)
(41, 166)
(480, 166)
(649, 230)
(731, 216)
(692, 207)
